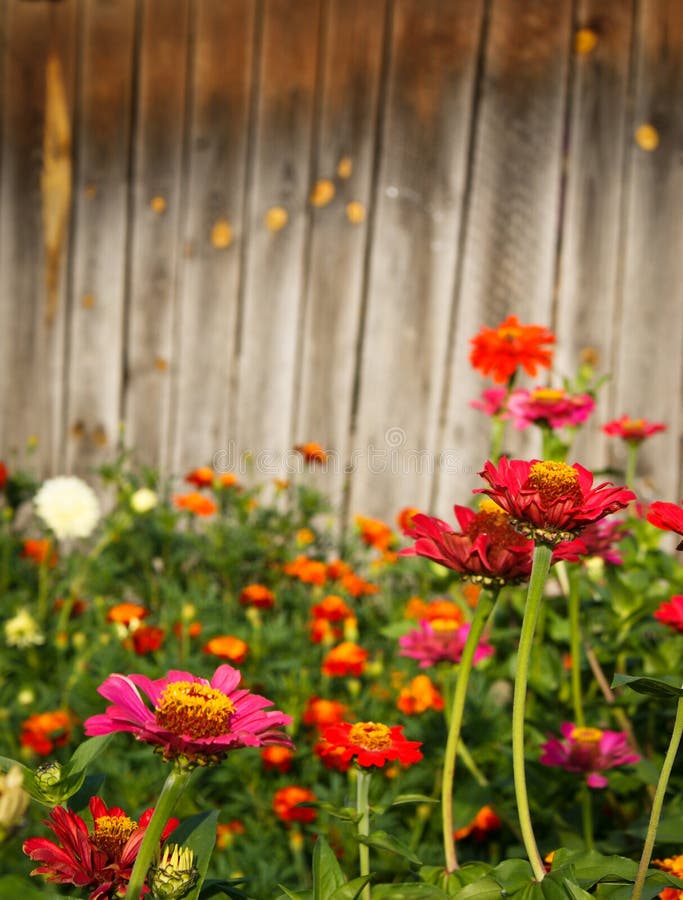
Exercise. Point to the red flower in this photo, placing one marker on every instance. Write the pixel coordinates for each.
(374, 532)
(321, 712)
(285, 804)
(346, 658)
(42, 732)
(257, 595)
(312, 452)
(201, 477)
(40, 550)
(332, 608)
(671, 613)
(500, 351)
(370, 744)
(667, 516)
(485, 820)
(310, 571)
(551, 501)
(3, 475)
(633, 431)
(278, 758)
(147, 639)
(405, 516)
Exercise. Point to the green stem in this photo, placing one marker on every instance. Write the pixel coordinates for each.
(470, 765)
(632, 448)
(658, 801)
(43, 586)
(573, 604)
(363, 810)
(481, 616)
(539, 572)
(587, 816)
(170, 793)
(497, 434)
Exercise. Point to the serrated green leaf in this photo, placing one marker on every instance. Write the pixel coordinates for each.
(653, 687)
(327, 874)
(380, 840)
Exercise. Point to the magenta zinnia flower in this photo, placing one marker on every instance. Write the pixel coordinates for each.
(101, 859)
(550, 501)
(191, 719)
(588, 750)
(492, 402)
(633, 431)
(444, 643)
(667, 516)
(553, 407)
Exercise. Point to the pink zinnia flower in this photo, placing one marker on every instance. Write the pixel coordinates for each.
(633, 431)
(667, 516)
(432, 645)
(191, 718)
(671, 613)
(492, 402)
(588, 750)
(599, 539)
(549, 406)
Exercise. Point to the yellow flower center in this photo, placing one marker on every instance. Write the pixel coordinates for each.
(554, 480)
(370, 736)
(547, 395)
(495, 523)
(195, 709)
(441, 624)
(633, 425)
(111, 834)
(586, 735)
(509, 333)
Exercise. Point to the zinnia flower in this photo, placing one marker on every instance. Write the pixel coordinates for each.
(419, 696)
(485, 821)
(311, 452)
(278, 758)
(599, 540)
(191, 719)
(257, 595)
(42, 732)
(404, 517)
(3, 475)
(196, 503)
(346, 658)
(68, 506)
(671, 613)
(551, 501)
(370, 744)
(554, 407)
(432, 645)
(201, 477)
(500, 351)
(286, 804)
(667, 516)
(101, 859)
(320, 712)
(492, 402)
(633, 431)
(588, 750)
(227, 647)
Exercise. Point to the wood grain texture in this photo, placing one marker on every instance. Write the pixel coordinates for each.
(213, 231)
(101, 190)
(414, 240)
(649, 363)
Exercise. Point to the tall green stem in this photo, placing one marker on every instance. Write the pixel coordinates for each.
(497, 434)
(539, 573)
(573, 604)
(170, 793)
(658, 801)
(632, 448)
(363, 810)
(481, 616)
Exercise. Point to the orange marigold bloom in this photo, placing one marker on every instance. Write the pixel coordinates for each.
(42, 732)
(226, 831)
(201, 477)
(257, 595)
(40, 550)
(337, 568)
(285, 804)
(439, 611)
(346, 658)
(147, 639)
(419, 696)
(194, 629)
(374, 532)
(308, 570)
(485, 820)
(196, 503)
(320, 631)
(277, 757)
(227, 480)
(404, 519)
(674, 866)
(500, 351)
(357, 586)
(312, 452)
(304, 537)
(333, 608)
(320, 713)
(227, 647)
(125, 613)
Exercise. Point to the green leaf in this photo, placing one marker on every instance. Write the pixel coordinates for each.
(292, 896)
(654, 687)
(348, 813)
(573, 890)
(412, 798)
(86, 752)
(484, 889)
(352, 890)
(380, 840)
(198, 833)
(29, 779)
(214, 887)
(327, 874)
(412, 891)
(13, 886)
(513, 874)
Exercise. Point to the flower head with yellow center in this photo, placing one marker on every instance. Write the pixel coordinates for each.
(369, 744)
(192, 721)
(589, 751)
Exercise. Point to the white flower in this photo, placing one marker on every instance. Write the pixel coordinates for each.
(143, 500)
(68, 506)
(22, 630)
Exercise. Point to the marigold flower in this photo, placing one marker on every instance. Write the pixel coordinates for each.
(147, 639)
(194, 629)
(68, 506)
(484, 822)
(257, 595)
(553, 407)
(633, 431)
(674, 866)
(431, 645)
(336, 569)
(588, 750)
(226, 831)
(492, 402)
(191, 718)
(42, 732)
(201, 477)
(346, 658)
(419, 696)
(319, 712)
(278, 758)
(333, 608)
(227, 480)
(227, 647)
(125, 613)
(404, 518)
(374, 532)
(551, 501)
(304, 537)
(671, 613)
(286, 808)
(668, 517)
(308, 570)
(321, 631)
(356, 586)
(312, 452)
(370, 744)
(500, 351)
(196, 503)
(101, 859)
(40, 550)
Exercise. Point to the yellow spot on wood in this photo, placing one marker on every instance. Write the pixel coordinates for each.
(221, 234)
(78, 430)
(322, 193)
(90, 191)
(160, 364)
(345, 167)
(355, 212)
(647, 137)
(158, 204)
(55, 179)
(99, 436)
(276, 218)
(88, 301)
(585, 41)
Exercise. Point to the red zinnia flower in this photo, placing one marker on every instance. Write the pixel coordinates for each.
(147, 639)
(633, 431)
(551, 501)
(257, 595)
(405, 516)
(3, 475)
(346, 658)
(370, 744)
(667, 516)
(674, 866)
(195, 503)
(500, 351)
(671, 613)
(201, 477)
(286, 800)
(42, 732)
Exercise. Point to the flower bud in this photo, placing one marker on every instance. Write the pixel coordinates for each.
(13, 801)
(174, 873)
(48, 778)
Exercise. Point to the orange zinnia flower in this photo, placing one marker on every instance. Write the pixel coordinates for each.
(195, 503)
(320, 713)
(404, 518)
(201, 477)
(227, 647)
(374, 532)
(673, 865)
(285, 804)
(310, 571)
(485, 820)
(125, 613)
(42, 732)
(500, 351)
(419, 696)
(346, 658)
(312, 452)
(40, 550)
(277, 757)
(257, 595)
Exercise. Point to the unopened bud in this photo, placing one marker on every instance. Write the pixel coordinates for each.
(48, 778)
(174, 873)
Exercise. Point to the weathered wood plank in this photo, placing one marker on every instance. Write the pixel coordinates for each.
(154, 230)
(414, 241)
(508, 263)
(32, 324)
(649, 363)
(346, 146)
(95, 370)
(275, 253)
(212, 231)
(590, 229)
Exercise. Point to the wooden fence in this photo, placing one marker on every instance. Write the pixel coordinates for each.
(236, 225)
